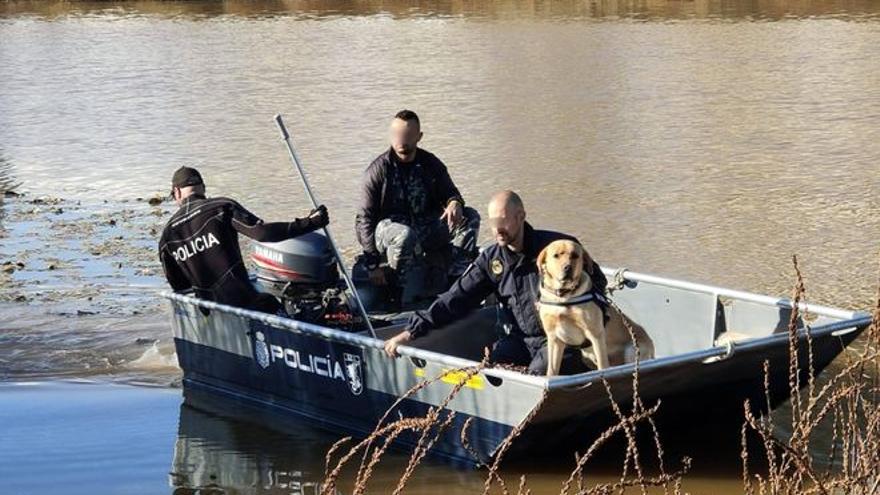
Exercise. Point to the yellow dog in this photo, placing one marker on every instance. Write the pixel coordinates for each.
(571, 315)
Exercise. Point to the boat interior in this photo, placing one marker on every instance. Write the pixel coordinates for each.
(679, 317)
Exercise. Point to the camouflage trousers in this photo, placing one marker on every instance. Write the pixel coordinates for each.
(409, 247)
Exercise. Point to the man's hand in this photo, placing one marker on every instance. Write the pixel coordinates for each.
(377, 277)
(319, 217)
(453, 214)
(393, 343)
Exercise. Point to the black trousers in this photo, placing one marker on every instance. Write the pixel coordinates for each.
(513, 349)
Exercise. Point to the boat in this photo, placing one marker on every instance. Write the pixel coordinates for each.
(340, 379)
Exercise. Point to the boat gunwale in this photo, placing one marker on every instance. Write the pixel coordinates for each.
(722, 352)
(781, 302)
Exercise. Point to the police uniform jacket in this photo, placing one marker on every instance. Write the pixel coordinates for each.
(512, 277)
(199, 247)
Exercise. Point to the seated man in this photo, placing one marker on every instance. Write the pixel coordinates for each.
(509, 270)
(199, 246)
(410, 207)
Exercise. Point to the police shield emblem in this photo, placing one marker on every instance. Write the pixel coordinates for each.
(261, 350)
(354, 371)
(497, 266)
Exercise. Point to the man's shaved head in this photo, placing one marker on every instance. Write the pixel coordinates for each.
(507, 216)
(506, 200)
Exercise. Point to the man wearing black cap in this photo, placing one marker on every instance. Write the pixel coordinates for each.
(199, 246)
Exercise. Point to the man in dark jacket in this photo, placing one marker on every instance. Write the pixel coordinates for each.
(199, 247)
(509, 270)
(410, 206)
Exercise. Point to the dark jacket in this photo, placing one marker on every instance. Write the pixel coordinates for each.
(512, 277)
(199, 248)
(378, 202)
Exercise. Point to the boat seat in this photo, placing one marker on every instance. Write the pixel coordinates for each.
(678, 321)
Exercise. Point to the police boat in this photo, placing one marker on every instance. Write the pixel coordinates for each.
(322, 367)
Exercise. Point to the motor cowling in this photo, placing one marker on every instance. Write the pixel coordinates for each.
(305, 260)
(302, 273)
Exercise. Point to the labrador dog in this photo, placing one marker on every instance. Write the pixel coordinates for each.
(570, 316)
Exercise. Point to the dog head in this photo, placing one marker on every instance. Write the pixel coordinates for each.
(561, 264)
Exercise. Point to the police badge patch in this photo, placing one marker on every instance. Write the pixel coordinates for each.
(355, 373)
(497, 266)
(261, 350)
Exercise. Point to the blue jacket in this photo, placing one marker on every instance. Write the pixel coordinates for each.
(512, 277)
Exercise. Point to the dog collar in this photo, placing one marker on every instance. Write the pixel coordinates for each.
(581, 299)
(563, 292)
(560, 292)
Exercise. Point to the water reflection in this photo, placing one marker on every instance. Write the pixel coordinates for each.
(226, 447)
(213, 453)
(230, 448)
(566, 10)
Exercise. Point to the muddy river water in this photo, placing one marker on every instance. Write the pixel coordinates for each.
(702, 140)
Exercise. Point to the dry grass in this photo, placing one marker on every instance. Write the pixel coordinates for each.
(438, 420)
(848, 401)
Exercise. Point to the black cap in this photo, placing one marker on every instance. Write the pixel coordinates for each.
(186, 176)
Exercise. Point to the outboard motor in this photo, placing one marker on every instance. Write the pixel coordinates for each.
(302, 273)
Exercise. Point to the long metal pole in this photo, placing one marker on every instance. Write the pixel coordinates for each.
(295, 158)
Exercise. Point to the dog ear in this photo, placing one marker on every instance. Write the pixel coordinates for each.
(588, 260)
(541, 257)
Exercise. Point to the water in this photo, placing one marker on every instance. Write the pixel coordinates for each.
(700, 140)
(81, 438)
(86, 438)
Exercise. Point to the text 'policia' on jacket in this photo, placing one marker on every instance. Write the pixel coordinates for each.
(377, 200)
(199, 247)
(513, 278)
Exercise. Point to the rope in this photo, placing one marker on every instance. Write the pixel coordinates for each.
(618, 280)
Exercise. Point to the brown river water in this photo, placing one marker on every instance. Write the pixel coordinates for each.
(700, 140)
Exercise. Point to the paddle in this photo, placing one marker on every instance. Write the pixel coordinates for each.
(293, 156)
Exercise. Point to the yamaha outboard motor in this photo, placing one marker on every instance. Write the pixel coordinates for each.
(303, 274)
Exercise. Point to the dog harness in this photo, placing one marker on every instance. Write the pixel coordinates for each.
(581, 299)
(590, 296)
